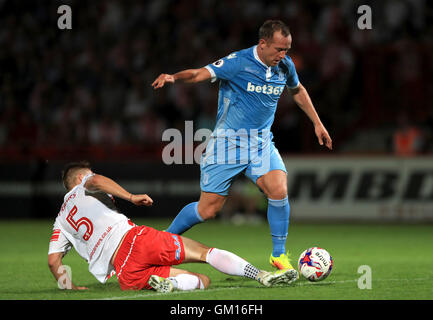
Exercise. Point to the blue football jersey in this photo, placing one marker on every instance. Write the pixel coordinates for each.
(249, 89)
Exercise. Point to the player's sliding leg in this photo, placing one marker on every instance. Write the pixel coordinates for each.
(223, 261)
(179, 279)
(197, 212)
(229, 263)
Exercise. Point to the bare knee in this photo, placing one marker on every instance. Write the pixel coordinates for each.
(274, 184)
(204, 279)
(209, 206)
(208, 212)
(277, 192)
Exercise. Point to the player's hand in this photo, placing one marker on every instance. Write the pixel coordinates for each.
(161, 80)
(141, 199)
(323, 136)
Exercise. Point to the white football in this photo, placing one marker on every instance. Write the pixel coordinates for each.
(315, 264)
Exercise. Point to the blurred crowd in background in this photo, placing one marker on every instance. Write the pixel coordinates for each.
(88, 89)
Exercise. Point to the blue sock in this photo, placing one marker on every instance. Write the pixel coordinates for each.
(185, 219)
(278, 219)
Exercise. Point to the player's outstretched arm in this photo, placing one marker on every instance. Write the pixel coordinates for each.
(57, 269)
(186, 76)
(303, 100)
(101, 183)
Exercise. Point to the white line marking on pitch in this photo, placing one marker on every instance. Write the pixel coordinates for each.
(299, 284)
(166, 294)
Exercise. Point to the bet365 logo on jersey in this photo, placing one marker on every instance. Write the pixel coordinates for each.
(265, 89)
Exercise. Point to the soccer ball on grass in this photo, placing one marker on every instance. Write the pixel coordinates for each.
(315, 264)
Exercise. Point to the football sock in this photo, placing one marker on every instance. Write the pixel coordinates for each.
(184, 282)
(229, 263)
(278, 219)
(185, 219)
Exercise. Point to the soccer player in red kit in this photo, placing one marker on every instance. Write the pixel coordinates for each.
(141, 257)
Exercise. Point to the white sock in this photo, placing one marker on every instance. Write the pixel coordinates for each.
(230, 263)
(184, 282)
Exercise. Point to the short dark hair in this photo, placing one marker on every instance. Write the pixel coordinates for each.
(269, 27)
(70, 170)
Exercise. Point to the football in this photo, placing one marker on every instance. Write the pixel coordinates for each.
(315, 264)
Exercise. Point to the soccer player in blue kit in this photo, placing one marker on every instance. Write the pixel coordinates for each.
(250, 84)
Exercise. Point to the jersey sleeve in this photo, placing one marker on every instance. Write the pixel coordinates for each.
(292, 81)
(85, 178)
(225, 68)
(58, 241)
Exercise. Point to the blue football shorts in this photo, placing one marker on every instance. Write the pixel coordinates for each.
(219, 168)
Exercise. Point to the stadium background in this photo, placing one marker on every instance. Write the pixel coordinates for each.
(85, 94)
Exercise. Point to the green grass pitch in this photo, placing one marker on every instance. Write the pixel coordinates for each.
(400, 258)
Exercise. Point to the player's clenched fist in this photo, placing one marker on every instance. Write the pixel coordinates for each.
(161, 80)
(141, 199)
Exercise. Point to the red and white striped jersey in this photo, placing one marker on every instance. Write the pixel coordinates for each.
(89, 222)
